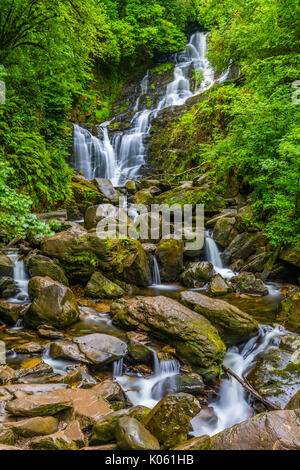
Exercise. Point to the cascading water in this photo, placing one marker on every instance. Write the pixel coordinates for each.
(148, 391)
(213, 256)
(232, 407)
(122, 157)
(156, 280)
(20, 277)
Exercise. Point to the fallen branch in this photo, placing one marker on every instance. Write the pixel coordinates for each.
(13, 242)
(189, 171)
(244, 382)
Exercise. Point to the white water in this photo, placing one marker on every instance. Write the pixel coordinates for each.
(121, 158)
(232, 407)
(213, 256)
(20, 277)
(148, 391)
(156, 280)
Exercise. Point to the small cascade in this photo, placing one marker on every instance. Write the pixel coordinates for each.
(213, 256)
(121, 157)
(149, 391)
(232, 407)
(20, 277)
(118, 368)
(156, 280)
(19, 325)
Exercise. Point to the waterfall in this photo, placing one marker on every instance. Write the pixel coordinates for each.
(232, 406)
(122, 157)
(156, 280)
(118, 368)
(149, 391)
(213, 256)
(20, 277)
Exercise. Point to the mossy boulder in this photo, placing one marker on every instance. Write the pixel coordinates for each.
(169, 421)
(294, 403)
(7, 436)
(137, 350)
(244, 245)
(276, 374)
(10, 312)
(212, 203)
(233, 325)
(31, 427)
(193, 336)
(218, 286)
(196, 274)
(144, 196)
(224, 232)
(55, 305)
(131, 435)
(85, 194)
(291, 254)
(6, 265)
(39, 265)
(247, 283)
(289, 314)
(99, 287)
(169, 254)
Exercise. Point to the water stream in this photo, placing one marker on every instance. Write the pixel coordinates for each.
(20, 277)
(121, 157)
(214, 256)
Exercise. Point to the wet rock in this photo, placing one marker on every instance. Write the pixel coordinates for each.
(57, 441)
(55, 305)
(7, 436)
(95, 214)
(197, 443)
(131, 187)
(199, 180)
(218, 286)
(85, 194)
(223, 231)
(34, 367)
(6, 374)
(290, 254)
(275, 430)
(244, 245)
(197, 274)
(18, 390)
(200, 195)
(247, 283)
(29, 348)
(276, 374)
(169, 421)
(48, 332)
(74, 433)
(257, 262)
(131, 435)
(106, 188)
(233, 325)
(289, 314)
(8, 288)
(43, 266)
(39, 426)
(79, 376)
(191, 383)
(194, 338)
(294, 403)
(100, 287)
(137, 350)
(105, 429)
(6, 266)
(169, 254)
(110, 390)
(40, 405)
(10, 312)
(81, 254)
(37, 284)
(91, 349)
(144, 196)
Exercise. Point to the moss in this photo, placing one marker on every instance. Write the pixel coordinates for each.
(163, 68)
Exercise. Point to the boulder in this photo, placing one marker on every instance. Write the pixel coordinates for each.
(196, 274)
(289, 314)
(197, 443)
(188, 383)
(38, 426)
(218, 286)
(194, 338)
(37, 284)
(223, 231)
(29, 348)
(194, 196)
(294, 403)
(39, 265)
(6, 266)
(131, 187)
(169, 421)
(104, 430)
(8, 288)
(137, 350)
(38, 405)
(244, 245)
(81, 254)
(6, 374)
(290, 254)
(257, 262)
(55, 305)
(276, 374)
(131, 435)
(85, 194)
(95, 214)
(234, 326)
(274, 430)
(110, 391)
(56, 441)
(91, 349)
(10, 312)
(99, 287)
(247, 283)
(106, 188)
(144, 196)
(169, 254)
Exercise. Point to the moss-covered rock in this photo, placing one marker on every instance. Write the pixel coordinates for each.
(196, 274)
(6, 265)
(169, 254)
(85, 194)
(247, 283)
(193, 336)
(234, 326)
(289, 314)
(131, 435)
(99, 287)
(291, 254)
(219, 286)
(10, 312)
(169, 421)
(43, 266)
(224, 231)
(212, 203)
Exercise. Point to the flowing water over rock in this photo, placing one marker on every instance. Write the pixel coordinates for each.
(20, 277)
(156, 280)
(214, 256)
(121, 157)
